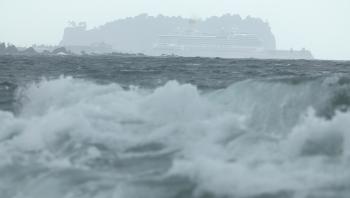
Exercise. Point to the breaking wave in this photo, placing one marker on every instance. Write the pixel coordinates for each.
(76, 138)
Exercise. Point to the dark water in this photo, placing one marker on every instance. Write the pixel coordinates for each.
(145, 127)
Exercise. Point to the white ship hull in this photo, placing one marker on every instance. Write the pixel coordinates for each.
(194, 51)
(239, 46)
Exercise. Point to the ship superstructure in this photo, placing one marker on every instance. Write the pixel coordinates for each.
(233, 45)
(237, 45)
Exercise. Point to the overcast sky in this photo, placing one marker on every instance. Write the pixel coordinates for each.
(323, 26)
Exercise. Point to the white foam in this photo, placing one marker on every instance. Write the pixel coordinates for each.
(246, 140)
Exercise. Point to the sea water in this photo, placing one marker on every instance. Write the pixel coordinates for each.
(147, 127)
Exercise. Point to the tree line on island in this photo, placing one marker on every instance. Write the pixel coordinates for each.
(10, 49)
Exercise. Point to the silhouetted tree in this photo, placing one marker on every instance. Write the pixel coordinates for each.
(29, 51)
(2, 48)
(11, 49)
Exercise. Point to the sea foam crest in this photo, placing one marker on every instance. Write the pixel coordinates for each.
(76, 138)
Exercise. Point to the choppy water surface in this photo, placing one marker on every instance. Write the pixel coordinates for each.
(142, 127)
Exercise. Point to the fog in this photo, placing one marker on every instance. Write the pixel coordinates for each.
(321, 26)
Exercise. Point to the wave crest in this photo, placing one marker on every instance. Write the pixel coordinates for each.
(252, 139)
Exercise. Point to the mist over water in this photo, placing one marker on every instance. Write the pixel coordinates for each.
(107, 127)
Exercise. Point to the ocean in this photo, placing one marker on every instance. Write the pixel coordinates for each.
(173, 127)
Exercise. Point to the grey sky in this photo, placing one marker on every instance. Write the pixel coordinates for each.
(323, 26)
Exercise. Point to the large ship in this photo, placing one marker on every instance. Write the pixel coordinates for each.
(235, 45)
(227, 36)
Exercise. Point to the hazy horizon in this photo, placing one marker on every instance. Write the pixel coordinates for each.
(321, 26)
